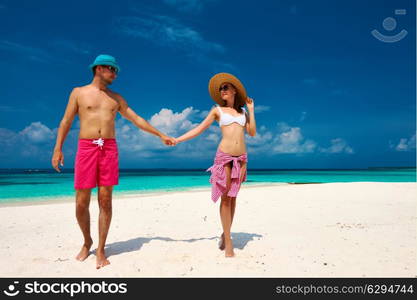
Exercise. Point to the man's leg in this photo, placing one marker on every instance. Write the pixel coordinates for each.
(83, 217)
(105, 205)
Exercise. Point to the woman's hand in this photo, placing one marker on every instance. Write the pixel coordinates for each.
(251, 124)
(169, 141)
(250, 104)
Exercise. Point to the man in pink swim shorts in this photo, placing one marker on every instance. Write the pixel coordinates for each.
(97, 158)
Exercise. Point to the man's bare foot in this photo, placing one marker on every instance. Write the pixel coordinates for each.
(102, 260)
(221, 242)
(85, 251)
(229, 249)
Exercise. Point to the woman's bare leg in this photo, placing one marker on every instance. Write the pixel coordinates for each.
(242, 174)
(228, 171)
(221, 243)
(233, 207)
(243, 166)
(226, 216)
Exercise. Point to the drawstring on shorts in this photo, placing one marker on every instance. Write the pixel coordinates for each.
(99, 143)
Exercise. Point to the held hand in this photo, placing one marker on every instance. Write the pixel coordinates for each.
(172, 141)
(169, 141)
(58, 157)
(250, 104)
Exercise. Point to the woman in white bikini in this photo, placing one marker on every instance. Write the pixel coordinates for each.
(230, 163)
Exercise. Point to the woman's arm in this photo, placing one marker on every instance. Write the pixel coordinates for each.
(251, 123)
(200, 128)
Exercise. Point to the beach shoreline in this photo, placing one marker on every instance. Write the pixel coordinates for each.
(360, 229)
(29, 201)
(122, 195)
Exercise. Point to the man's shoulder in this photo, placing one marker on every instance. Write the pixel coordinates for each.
(79, 89)
(118, 97)
(116, 94)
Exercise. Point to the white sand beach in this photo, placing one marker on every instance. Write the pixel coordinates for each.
(364, 229)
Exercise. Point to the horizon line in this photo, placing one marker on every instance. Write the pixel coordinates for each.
(198, 169)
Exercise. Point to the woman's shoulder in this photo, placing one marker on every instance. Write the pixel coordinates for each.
(214, 108)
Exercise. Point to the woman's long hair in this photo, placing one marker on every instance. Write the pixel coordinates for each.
(238, 103)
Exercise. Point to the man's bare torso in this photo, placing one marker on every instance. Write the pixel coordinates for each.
(97, 111)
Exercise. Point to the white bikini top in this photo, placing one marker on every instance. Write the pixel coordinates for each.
(226, 119)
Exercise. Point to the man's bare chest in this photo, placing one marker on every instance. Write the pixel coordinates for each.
(97, 103)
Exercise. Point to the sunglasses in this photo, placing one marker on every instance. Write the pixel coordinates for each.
(111, 69)
(224, 87)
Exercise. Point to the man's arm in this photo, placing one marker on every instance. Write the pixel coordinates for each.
(140, 122)
(64, 127)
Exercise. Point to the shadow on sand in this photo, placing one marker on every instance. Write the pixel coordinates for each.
(240, 240)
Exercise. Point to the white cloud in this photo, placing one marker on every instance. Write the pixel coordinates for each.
(166, 31)
(31, 53)
(71, 46)
(169, 122)
(261, 142)
(170, 33)
(37, 140)
(37, 133)
(406, 144)
(34, 143)
(282, 126)
(140, 144)
(292, 141)
(42, 55)
(285, 139)
(338, 145)
(203, 114)
(7, 137)
(262, 108)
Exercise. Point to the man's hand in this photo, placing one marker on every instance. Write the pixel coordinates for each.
(169, 141)
(58, 157)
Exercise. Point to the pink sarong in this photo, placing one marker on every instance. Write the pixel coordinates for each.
(218, 178)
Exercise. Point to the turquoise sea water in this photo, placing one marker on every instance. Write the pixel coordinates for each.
(30, 185)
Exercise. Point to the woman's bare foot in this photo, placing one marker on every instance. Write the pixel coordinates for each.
(229, 248)
(102, 260)
(85, 250)
(221, 242)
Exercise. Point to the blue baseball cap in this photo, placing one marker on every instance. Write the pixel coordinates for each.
(105, 60)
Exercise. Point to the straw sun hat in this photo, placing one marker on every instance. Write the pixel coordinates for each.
(217, 80)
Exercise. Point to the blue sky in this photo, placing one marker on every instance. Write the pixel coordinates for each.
(328, 94)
